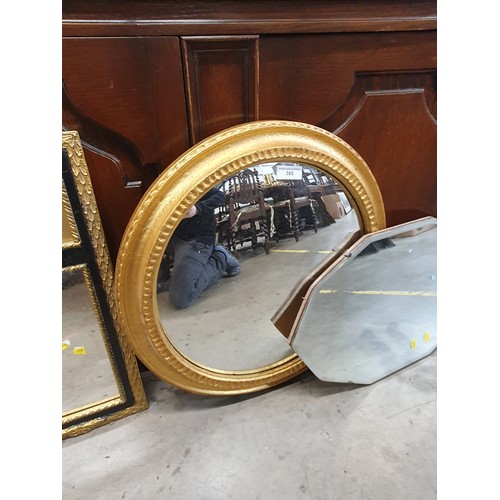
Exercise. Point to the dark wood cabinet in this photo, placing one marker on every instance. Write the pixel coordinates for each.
(145, 80)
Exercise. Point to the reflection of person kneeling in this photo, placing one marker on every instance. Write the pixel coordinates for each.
(198, 262)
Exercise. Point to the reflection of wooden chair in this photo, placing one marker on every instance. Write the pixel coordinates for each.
(303, 207)
(298, 209)
(319, 184)
(248, 212)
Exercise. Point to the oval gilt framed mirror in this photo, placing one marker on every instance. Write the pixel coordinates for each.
(226, 343)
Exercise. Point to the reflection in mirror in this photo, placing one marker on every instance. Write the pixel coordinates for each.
(161, 212)
(87, 375)
(307, 218)
(373, 311)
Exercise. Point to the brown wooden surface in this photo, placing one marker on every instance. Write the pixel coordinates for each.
(237, 17)
(143, 81)
(221, 76)
(126, 98)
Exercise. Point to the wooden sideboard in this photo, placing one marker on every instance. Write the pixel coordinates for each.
(145, 80)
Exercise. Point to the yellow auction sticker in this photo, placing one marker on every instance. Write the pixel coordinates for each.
(413, 344)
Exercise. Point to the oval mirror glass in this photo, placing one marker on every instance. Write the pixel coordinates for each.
(194, 348)
(229, 327)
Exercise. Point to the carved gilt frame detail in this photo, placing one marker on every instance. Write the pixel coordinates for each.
(162, 207)
(84, 419)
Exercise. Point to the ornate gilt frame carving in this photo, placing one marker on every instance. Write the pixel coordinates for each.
(167, 200)
(131, 397)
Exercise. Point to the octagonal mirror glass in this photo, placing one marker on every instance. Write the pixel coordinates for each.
(373, 311)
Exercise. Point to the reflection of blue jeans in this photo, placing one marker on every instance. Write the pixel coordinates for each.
(196, 267)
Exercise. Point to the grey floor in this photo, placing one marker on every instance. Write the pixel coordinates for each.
(306, 439)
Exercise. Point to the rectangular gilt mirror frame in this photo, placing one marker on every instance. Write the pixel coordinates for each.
(101, 380)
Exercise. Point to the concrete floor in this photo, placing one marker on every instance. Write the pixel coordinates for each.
(306, 439)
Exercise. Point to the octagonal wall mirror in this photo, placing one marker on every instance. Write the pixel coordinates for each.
(374, 310)
(318, 197)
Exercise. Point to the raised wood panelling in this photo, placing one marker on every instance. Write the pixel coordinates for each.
(115, 167)
(125, 96)
(220, 74)
(396, 135)
(308, 77)
(133, 86)
(390, 119)
(383, 82)
(332, 80)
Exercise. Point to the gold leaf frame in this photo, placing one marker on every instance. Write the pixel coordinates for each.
(164, 204)
(84, 419)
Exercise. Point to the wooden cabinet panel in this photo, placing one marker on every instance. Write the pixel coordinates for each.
(221, 77)
(396, 135)
(125, 96)
(375, 90)
(133, 86)
(308, 77)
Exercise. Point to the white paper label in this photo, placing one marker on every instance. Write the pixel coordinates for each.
(288, 172)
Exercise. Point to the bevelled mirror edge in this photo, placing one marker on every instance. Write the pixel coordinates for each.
(388, 279)
(162, 207)
(403, 230)
(85, 227)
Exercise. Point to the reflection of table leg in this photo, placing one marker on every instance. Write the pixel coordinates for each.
(314, 217)
(304, 215)
(324, 218)
(223, 236)
(292, 217)
(284, 219)
(295, 225)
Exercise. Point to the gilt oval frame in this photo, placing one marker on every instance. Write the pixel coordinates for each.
(166, 201)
